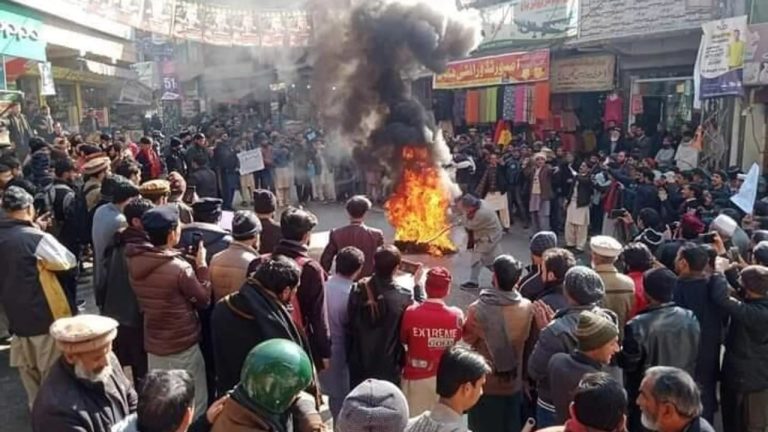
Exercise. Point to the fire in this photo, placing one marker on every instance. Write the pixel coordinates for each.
(418, 207)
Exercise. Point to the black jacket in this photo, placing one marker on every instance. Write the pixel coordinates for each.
(374, 349)
(646, 196)
(565, 372)
(584, 194)
(119, 299)
(241, 321)
(664, 335)
(68, 404)
(745, 365)
(175, 161)
(697, 295)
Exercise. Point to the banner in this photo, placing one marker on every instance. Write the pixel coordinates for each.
(511, 68)
(170, 81)
(583, 74)
(158, 16)
(722, 51)
(745, 198)
(250, 161)
(529, 20)
(188, 21)
(47, 88)
(756, 60)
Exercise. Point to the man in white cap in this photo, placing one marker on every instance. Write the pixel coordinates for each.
(619, 288)
(86, 389)
(731, 232)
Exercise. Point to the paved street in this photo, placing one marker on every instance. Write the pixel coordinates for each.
(13, 408)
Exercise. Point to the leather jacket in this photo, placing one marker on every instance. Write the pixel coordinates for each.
(662, 335)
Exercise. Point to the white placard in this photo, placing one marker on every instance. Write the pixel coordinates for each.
(745, 199)
(47, 88)
(250, 161)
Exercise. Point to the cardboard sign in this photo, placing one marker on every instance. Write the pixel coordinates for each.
(250, 161)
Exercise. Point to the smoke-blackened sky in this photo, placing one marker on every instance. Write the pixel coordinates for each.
(361, 58)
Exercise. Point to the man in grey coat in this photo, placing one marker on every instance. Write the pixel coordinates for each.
(485, 232)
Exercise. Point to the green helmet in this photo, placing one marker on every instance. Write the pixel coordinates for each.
(274, 373)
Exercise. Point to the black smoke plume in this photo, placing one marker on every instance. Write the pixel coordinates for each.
(360, 62)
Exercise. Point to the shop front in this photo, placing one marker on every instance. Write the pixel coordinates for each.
(21, 42)
(507, 91)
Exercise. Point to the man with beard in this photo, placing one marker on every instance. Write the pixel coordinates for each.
(86, 390)
(254, 314)
(670, 402)
(485, 234)
(198, 150)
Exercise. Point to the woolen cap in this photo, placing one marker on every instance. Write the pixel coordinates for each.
(16, 198)
(96, 165)
(155, 188)
(583, 285)
(595, 330)
(83, 333)
(659, 284)
(438, 282)
(542, 241)
(245, 224)
(605, 246)
(264, 201)
(374, 406)
(161, 217)
(691, 223)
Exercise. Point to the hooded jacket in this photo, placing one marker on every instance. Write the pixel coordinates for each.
(29, 290)
(169, 292)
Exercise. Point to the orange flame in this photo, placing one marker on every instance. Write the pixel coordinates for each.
(418, 207)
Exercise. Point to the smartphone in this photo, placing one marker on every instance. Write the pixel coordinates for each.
(196, 239)
(407, 266)
(707, 238)
(733, 254)
(617, 213)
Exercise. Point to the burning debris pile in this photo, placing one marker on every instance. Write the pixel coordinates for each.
(359, 65)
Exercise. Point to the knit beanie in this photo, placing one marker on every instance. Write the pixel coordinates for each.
(374, 406)
(438, 282)
(542, 241)
(583, 285)
(659, 284)
(264, 201)
(594, 330)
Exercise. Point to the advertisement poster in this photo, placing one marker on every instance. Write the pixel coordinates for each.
(248, 32)
(721, 57)
(583, 74)
(756, 61)
(511, 68)
(217, 29)
(529, 20)
(188, 23)
(47, 88)
(158, 16)
(272, 29)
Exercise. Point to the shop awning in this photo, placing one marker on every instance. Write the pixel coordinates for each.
(87, 41)
(110, 70)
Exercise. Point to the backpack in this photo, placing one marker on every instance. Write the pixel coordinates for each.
(46, 199)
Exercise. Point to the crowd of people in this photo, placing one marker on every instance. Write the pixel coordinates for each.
(238, 328)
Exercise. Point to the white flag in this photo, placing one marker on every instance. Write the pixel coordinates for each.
(747, 195)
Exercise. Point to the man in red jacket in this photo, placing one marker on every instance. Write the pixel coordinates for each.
(427, 330)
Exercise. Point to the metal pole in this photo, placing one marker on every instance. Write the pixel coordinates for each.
(5, 76)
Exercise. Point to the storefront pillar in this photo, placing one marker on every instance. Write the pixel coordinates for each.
(78, 101)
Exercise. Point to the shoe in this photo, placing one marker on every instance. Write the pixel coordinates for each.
(469, 286)
(80, 305)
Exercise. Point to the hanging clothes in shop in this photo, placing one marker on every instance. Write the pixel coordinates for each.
(529, 108)
(472, 112)
(443, 105)
(490, 104)
(614, 107)
(459, 107)
(541, 100)
(508, 110)
(520, 103)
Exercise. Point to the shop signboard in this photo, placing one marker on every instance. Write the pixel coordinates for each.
(170, 81)
(513, 68)
(721, 57)
(20, 33)
(591, 73)
(756, 60)
(528, 20)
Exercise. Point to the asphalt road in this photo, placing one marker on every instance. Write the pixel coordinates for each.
(13, 403)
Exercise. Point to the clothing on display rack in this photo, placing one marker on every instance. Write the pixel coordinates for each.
(614, 107)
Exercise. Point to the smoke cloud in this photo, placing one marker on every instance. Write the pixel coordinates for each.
(359, 63)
